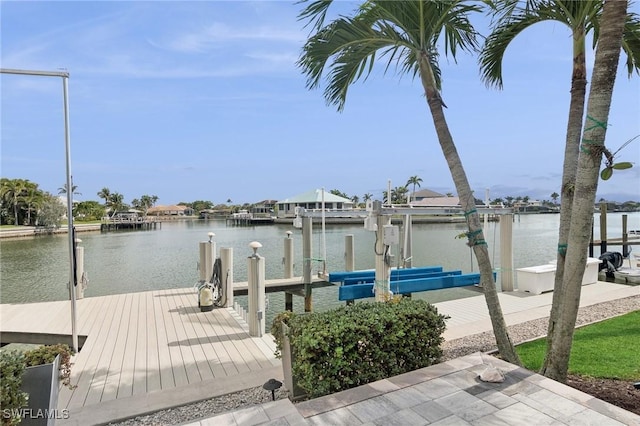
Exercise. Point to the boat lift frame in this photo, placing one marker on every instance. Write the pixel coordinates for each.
(376, 213)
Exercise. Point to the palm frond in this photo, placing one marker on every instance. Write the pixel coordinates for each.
(394, 31)
(631, 43)
(492, 54)
(314, 13)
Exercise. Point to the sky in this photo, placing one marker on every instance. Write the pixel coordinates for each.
(202, 100)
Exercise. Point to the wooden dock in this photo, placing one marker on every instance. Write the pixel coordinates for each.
(141, 343)
(140, 223)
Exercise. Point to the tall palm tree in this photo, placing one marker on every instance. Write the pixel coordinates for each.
(581, 17)
(415, 181)
(408, 34)
(556, 362)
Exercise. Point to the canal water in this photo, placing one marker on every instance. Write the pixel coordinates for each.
(36, 269)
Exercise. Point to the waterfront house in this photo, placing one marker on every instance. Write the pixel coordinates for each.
(426, 193)
(312, 200)
(172, 210)
(264, 208)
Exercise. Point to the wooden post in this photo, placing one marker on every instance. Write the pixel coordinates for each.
(256, 292)
(603, 228)
(226, 263)
(288, 269)
(307, 229)
(506, 252)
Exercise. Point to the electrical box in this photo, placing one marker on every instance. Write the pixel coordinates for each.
(391, 235)
(370, 223)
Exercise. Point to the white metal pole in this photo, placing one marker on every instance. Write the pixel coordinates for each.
(70, 230)
(72, 267)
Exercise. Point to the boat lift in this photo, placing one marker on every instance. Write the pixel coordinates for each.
(378, 219)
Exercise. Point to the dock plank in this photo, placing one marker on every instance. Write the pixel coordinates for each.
(188, 357)
(167, 378)
(192, 322)
(101, 373)
(176, 362)
(151, 378)
(119, 342)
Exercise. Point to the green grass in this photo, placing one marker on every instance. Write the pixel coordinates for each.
(608, 349)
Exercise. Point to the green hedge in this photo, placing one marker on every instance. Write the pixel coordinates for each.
(358, 344)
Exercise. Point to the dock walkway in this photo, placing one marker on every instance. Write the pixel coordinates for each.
(154, 350)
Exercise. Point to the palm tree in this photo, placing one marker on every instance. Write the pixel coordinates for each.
(415, 181)
(11, 191)
(614, 15)
(34, 198)
(105, 194)
(115, 202)
(63, 190)
(408, 34)
(581, 17)
(554, 197)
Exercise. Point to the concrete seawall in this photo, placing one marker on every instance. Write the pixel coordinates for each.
(32, 231)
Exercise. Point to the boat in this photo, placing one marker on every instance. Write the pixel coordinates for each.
(612, 266)
(628, 275)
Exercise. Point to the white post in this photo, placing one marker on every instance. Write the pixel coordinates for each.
(80, 270)
(381, 285)
(406, 242)
(226, 261)
(256, 290)
(207, 258)
(506, 252)
(349, 253)
(307, 266)
(288, 256)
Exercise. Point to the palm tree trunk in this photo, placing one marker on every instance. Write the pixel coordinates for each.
(570, 168)
(592, 148)
(467, 201)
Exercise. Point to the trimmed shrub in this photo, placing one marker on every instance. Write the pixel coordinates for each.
(358, 344)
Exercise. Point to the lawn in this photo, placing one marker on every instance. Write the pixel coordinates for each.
(608, 349)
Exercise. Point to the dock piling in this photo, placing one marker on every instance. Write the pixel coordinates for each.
(256, 291)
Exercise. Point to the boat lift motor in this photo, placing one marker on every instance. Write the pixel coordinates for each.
(611, 261)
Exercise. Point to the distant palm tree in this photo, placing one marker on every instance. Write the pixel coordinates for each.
(63, 189)
(407, 35)
(415, 181)
(105, 194)
(12, 191)
(554, 197)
